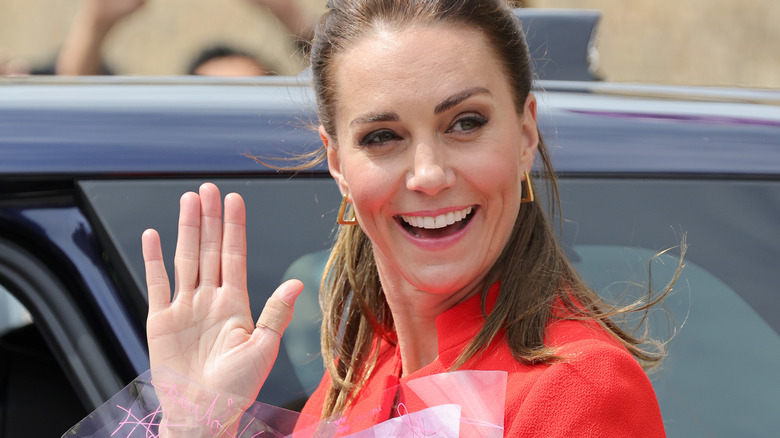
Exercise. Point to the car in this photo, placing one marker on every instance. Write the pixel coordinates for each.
(86, 164)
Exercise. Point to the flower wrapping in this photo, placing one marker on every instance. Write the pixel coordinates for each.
(162, 403)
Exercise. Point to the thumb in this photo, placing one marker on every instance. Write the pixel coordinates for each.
(278, 310)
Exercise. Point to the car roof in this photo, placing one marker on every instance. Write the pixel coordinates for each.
(188, 126)
(664, 130)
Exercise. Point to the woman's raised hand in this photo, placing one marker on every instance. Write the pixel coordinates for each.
(206, 332)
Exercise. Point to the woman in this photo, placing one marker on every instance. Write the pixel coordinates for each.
(429, 129)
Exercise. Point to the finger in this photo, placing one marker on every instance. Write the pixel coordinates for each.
(159, 288)
(185, 261)
(278, 310)
(210, 235)
(234, 243)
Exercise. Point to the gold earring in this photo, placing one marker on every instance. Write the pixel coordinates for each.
(342, 209)
(529, 190)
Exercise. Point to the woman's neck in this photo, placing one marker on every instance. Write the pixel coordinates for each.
(414, 315)
(416, 331)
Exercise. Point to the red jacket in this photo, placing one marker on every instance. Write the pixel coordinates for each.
(598, 390)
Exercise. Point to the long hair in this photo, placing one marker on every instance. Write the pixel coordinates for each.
(534, 273)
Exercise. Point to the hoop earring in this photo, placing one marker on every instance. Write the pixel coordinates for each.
(340, 219)
(529, 190)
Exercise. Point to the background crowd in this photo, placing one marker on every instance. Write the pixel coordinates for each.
(696, 42)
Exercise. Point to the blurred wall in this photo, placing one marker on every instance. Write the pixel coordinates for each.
(708, 42)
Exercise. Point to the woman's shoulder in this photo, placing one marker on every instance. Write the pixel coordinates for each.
(597, 388)
(562, 332)
(592, 367)
(586, 351)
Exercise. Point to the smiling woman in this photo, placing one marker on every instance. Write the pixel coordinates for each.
(429, 129)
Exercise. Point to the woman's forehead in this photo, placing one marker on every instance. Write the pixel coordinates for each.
(394, 47)
(422, 63)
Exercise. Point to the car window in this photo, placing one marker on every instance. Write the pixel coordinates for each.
(30, 373)
(302, 337)
(731, 226)
(718, 379)
(711, 331)
(286, 217)
(12, 313)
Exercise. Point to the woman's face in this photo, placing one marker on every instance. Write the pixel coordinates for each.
(431, 150)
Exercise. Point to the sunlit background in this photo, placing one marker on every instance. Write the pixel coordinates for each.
(691, 42)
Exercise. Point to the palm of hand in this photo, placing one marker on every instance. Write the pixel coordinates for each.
(217, 350)
(207, 332)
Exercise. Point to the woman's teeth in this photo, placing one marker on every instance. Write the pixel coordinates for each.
(440, 221)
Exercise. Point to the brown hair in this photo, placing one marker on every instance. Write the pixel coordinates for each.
(534, 272)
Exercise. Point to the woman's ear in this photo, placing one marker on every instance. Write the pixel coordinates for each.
(530, 133)
(334, 165)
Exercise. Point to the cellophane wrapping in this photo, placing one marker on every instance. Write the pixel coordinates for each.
(162, 403)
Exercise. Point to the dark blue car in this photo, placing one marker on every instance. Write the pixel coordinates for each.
(87, 165)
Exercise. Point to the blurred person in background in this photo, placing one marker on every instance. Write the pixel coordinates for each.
(81, 52)
(225, 60)
(13, 66)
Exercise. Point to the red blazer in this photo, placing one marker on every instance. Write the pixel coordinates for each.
(598, 390)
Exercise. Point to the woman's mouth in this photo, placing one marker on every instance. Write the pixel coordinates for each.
(434, 227)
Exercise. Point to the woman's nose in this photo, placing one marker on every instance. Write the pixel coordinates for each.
(430, 173)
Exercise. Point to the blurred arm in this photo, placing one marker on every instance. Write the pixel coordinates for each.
(81, 51)
(292, 16)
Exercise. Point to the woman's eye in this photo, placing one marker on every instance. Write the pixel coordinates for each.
(378, 137)
(468, 123)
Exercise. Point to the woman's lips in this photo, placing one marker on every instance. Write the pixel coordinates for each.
(434, 227)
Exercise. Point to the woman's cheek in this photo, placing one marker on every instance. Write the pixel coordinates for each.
(495, 177)
(370, 189)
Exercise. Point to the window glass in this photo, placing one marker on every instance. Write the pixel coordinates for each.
(30, 370)
(12, 313)
(720, 377)
(302, 337)
(286, 217)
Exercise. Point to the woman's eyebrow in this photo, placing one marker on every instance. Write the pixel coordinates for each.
(376, 117)
(458, 98)
(440, 108)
